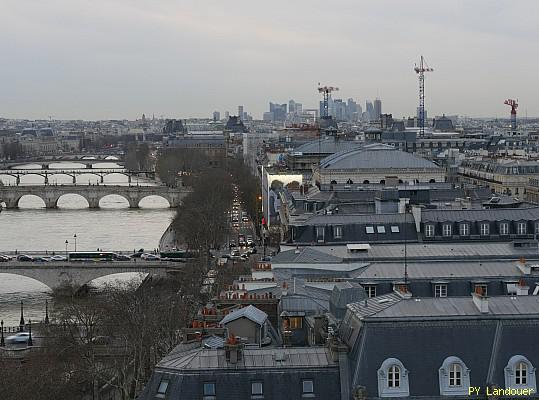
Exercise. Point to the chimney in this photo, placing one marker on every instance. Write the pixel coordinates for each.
(522, 288)
(233, 350)
(480, 300)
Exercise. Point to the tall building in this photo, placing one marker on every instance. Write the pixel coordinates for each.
(369, 109)
(240, 112)
(291, 106)
(227, 115)
(279, 111)
(216, 116)
(377, 109)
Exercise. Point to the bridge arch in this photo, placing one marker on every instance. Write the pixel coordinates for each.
(162, 196)
(71, 194)
(131, 203)
(16, 201)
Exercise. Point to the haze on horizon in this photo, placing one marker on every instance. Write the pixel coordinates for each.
(82, 59)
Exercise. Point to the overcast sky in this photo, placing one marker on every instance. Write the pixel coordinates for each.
(100, 59)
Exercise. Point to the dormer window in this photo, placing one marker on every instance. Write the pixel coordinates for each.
(504, 228)
(464, 229)
(521, 228)
(454, 377)
(393, 379)
(484, 229)
(446, 230)
(429, 230)
(520, 373)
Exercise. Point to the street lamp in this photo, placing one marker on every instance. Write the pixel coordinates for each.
(75, 237)
(66, 248)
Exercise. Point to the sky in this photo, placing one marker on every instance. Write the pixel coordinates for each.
(115, 59)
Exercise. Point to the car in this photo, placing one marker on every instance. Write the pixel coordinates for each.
(58, 258)
(9, 258)
(24, 258)
(245, 256)
(41, 259)
(4, 259)
(245, 219)
(149, 257)
(21, 337)
(122, 257)
(232, 244)
(235, 253)
(235, 219)
(267, 258)
(136, 255)
(236, 225)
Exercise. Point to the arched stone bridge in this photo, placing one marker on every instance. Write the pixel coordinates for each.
(45, 161)
(50, 194)
(77, 274)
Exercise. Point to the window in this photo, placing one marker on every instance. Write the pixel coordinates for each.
(369, 229)
(320, 233)
(504, 228)
(395, 229)
(520, 372)
(307, 386)
(370, 290)
(446, 230)
(257, 389)
(209, 391)
(455, 375)
(337, 231)
(485, 229)
(381, 229)
(521, 228)
(537, 228)
(429, 230)
(162, 389)
(440, 290)
(482, 287)
(306, 206)
(464, 229)
(295, 322)
(394, 377)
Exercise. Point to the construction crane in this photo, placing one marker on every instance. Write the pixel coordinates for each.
(514, 105)
(326, 91)
(420, 70)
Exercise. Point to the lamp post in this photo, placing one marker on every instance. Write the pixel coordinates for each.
(21, 322)
(2, 342)
(66, 248)
(75, 237)
(30, 343)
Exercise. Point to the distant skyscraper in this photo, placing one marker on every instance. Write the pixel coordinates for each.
(291, 106)
(377, 109)
(227, 115)
(299, 108)
(369, 109)
(279, 111)
(216, 116)
(240, 112)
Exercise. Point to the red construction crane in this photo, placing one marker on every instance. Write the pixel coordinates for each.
(326, 90)
(421, 69)
(514, 105)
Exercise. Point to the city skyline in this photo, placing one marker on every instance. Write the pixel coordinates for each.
(180, 59)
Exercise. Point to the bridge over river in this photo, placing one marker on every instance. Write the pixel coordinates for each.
(10, 195)
(56, 274)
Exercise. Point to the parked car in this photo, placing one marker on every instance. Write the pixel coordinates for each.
(21, 337)
(41, 259)
(150, 257)
(58, 258)
(3, 259)
(122, 257)
(24, 258)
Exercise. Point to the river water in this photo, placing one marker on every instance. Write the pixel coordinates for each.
(33, 228)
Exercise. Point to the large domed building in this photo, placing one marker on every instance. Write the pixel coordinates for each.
(375, 164)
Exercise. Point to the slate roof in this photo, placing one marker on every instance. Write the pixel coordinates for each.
(499, 214)
(452, 307)
(327, 145)
(375, 156)
(250, 312)
(443, 269)
(355, 219)
(305, 255)
(204, 359)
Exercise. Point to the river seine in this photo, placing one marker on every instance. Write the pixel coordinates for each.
(33, 228)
